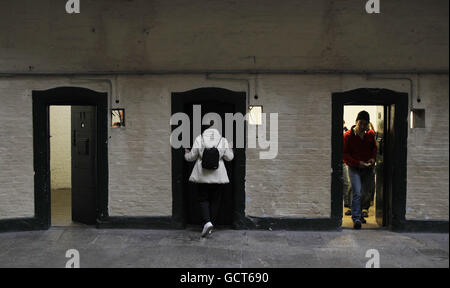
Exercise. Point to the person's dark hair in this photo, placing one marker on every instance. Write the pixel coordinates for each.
(363, 115)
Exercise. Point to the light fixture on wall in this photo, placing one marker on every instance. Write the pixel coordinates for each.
(117, 117)
(255, 114)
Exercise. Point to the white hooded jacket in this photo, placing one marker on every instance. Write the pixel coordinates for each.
(211, 138)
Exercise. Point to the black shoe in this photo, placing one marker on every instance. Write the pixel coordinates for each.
(357, 225)
(348, 213)
(363, 221)
(364, 214)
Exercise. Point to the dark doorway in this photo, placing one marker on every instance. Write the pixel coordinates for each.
(185, 205)
(372, 204)
(391, 158)
(88, 152)
(225, 216)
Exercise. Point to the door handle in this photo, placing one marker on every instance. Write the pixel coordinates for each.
(74, 137)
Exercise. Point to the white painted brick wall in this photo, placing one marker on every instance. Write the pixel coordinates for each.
(60, 147)
(139, 154)
(296, 184)
(428, 154)
(16, 150)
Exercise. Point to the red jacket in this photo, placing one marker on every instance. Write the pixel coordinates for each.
(357, 149)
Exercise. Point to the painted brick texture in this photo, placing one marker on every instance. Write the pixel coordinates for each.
(295, 184)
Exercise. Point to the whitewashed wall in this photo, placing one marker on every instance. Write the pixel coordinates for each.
(60, 147)
(297, 183)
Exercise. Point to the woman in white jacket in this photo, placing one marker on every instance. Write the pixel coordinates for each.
(210, 182)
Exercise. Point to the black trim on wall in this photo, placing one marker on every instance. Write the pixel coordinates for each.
(433, 226)
(21, 224)
(294, 224)
(138, 222)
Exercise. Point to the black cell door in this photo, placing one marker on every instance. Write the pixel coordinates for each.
(385, 167)
(381, 141)
(390, 172)
(193, 210)
(84, 170)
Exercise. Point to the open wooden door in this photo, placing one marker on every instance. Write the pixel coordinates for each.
(386, 168)
(379, 171)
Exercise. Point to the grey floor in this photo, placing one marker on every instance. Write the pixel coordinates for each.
(225, 248)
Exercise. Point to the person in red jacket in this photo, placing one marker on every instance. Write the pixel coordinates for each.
(360, 151)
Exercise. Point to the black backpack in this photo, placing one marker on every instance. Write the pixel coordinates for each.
(211, 157)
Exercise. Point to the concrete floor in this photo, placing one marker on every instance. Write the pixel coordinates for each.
(347, 221)
(61, 207)
(225, 248)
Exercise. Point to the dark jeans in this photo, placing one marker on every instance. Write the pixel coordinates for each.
(368, 189)
(361, 183)
(209, 196)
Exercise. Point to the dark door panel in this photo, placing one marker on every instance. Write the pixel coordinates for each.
(390, 169)
(84, 175)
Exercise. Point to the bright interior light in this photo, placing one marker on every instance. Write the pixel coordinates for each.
(255, 115)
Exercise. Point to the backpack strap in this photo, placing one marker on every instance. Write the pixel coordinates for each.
(201, 146)
(218, 142)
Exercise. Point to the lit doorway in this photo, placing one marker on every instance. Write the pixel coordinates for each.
(82, 197)
(372, 188)
(60, 166)
(390, 189)
(72, 165)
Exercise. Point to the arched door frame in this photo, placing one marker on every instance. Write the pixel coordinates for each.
(371, 96)
(179, 99)
(41, 147)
